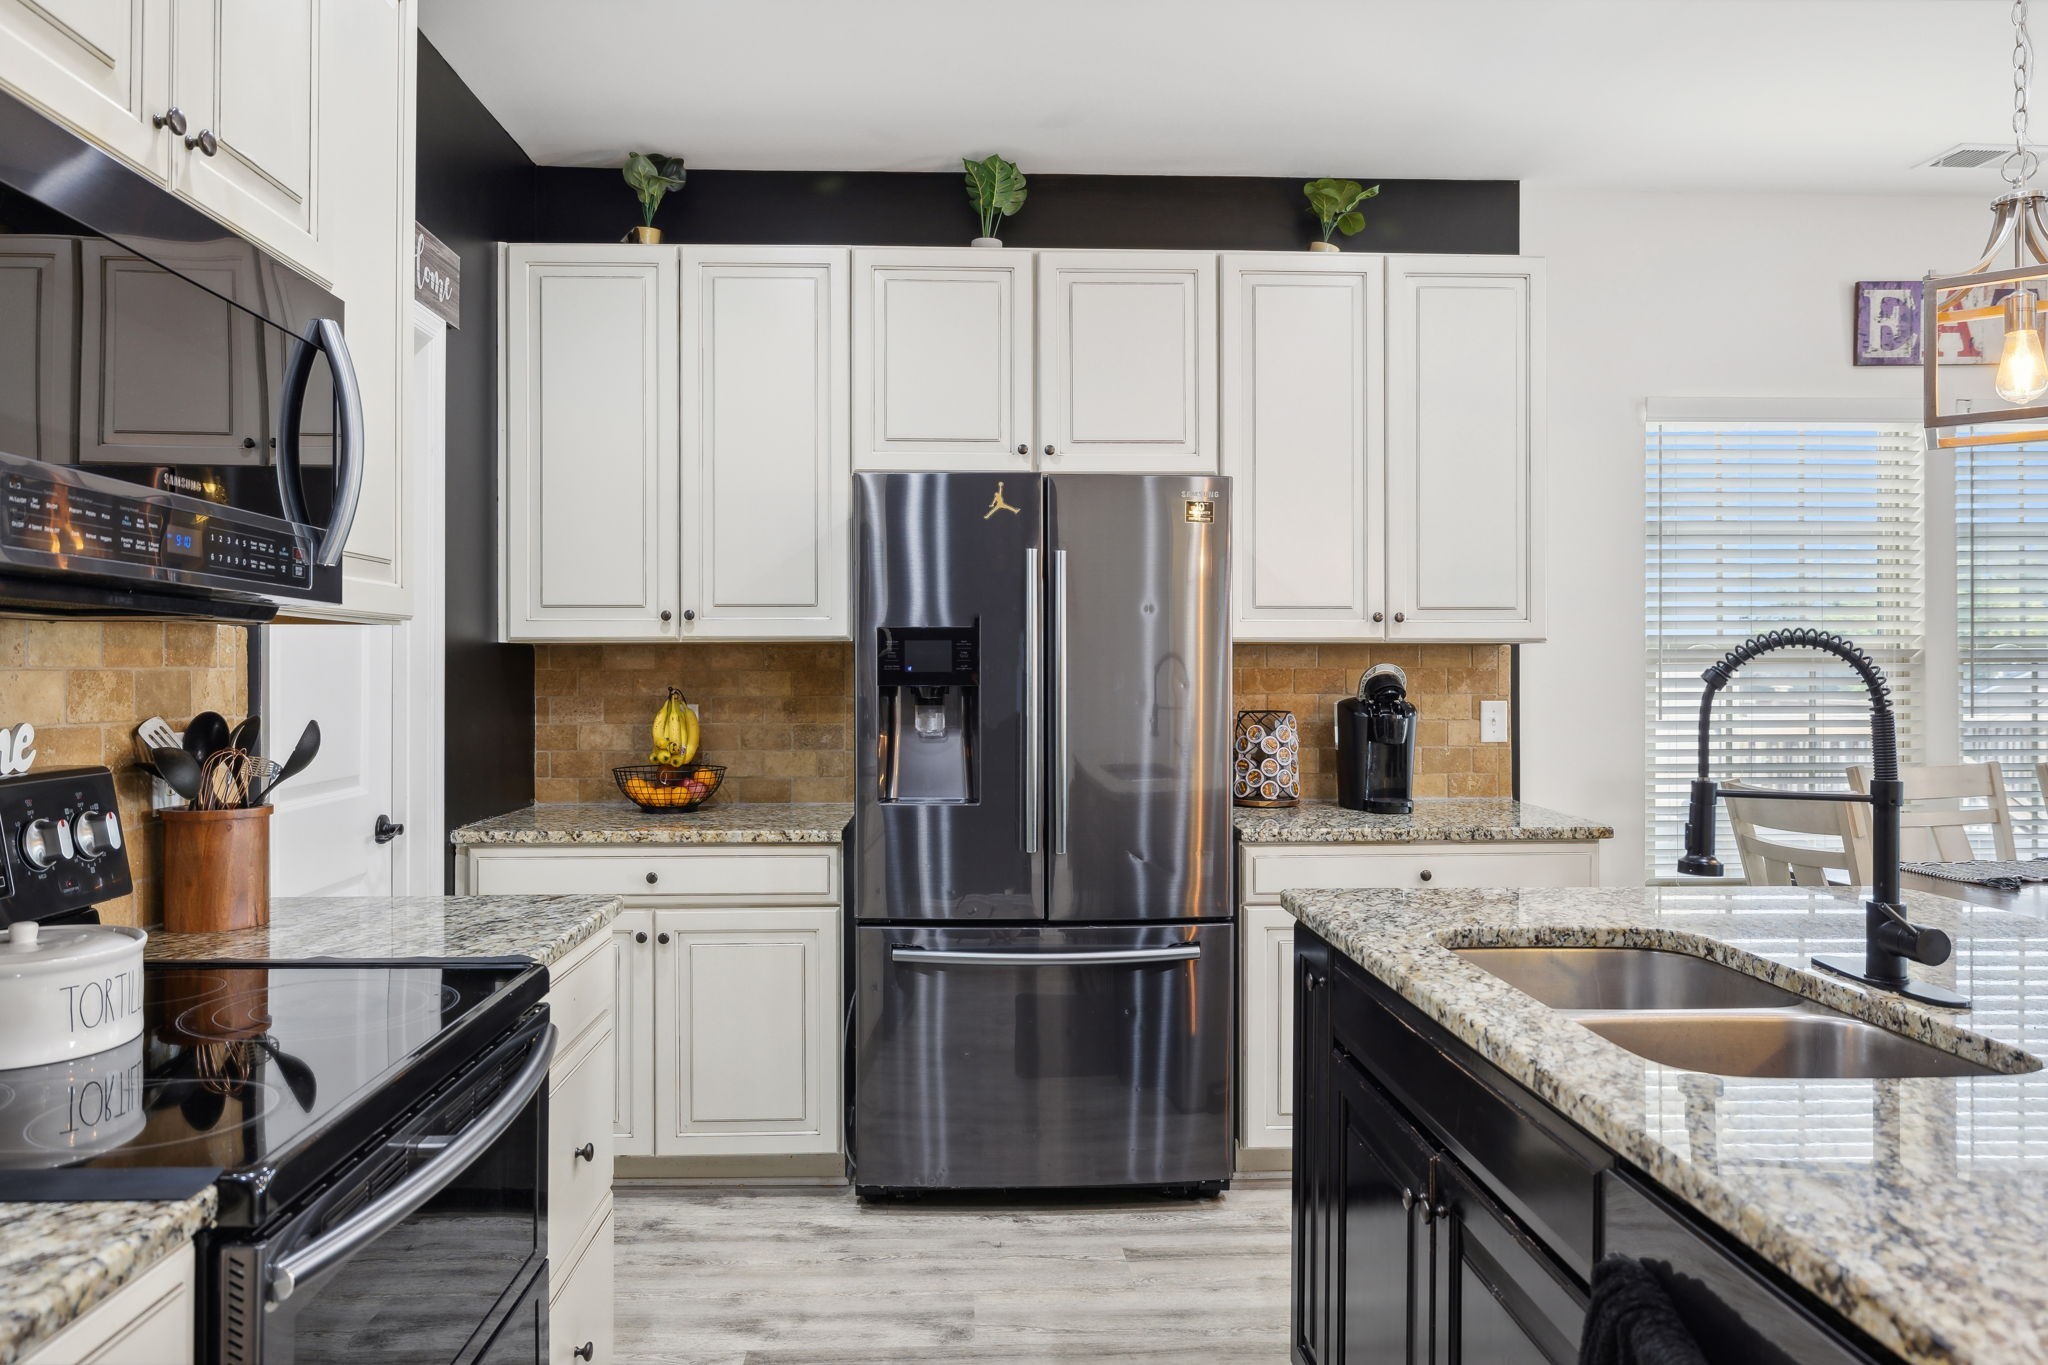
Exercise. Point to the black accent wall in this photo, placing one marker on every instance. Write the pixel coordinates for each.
(1161, 212)
(475, 189)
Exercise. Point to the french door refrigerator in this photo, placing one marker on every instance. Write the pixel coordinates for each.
(1042, 953)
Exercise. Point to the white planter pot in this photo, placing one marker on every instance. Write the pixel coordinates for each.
(68, 991)
(986, 241)
(1324, 246)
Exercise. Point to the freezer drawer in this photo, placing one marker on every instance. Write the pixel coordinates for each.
(1042, 1057)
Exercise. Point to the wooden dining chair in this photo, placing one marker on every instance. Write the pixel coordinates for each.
(1940, 832)
(1844, 827)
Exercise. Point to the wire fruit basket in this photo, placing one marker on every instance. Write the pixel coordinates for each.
(652, 786)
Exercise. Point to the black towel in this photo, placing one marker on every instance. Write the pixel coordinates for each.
(1630, 1320)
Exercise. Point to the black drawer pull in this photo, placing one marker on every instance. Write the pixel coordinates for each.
(587, 1351)
(653, 877)
(587, 1152)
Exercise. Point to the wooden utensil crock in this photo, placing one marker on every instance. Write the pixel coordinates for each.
(216, 870)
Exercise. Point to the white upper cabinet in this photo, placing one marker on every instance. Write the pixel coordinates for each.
(1127, 361)
(1303, 437)
(1465, 417)
(246, 75)
(765, 477)
(99, 65)
(942, 359)
(590, 462)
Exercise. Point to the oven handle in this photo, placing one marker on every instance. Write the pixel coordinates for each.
(403, 1199)
(1179, 952)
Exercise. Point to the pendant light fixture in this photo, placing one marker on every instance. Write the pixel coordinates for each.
(2006, 282)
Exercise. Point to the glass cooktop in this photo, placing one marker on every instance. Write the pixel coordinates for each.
(259, 1073)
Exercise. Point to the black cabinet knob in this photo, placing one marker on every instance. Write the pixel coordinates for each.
(640, 936)
(172, 118)
(668, 616)
(587, 1152)
(204, 141)
(661, 938)
(1023, 448)
(587, 1351)
(653, 877)
(1379, 616)
(384, 831)
(1400, 616)
(689, 615)
(1049, 450)
(1427, 874)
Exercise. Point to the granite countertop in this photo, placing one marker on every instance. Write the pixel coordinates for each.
(543, 928)
(58, 1260)
(1436, 820)
(622, 822)
(1917, 1208)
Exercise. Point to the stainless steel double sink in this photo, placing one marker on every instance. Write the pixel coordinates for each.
(1697, 1015)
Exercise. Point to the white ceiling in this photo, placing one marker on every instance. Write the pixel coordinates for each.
(1835, 95)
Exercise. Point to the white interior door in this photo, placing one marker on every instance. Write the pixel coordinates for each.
(322, 840)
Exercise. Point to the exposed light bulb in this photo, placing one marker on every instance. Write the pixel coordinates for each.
(2022, 366)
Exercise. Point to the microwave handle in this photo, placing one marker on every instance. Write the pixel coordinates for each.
(398, 1203)
(323, 335)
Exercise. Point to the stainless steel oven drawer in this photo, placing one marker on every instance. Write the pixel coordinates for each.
(1042, 1057)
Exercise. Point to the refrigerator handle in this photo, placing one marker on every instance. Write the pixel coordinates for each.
(1034, 701)
(1059, 701)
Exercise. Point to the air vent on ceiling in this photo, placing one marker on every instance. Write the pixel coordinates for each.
(1969, 156)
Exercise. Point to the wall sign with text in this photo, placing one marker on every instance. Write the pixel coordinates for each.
(17, 749)
(1888, 326)
(436, 276)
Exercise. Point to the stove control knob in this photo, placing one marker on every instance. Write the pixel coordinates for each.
(98, 833)
(45, 842)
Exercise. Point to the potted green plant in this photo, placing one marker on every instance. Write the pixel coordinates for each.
(1335, 205)
(996, 189)
(652, 177)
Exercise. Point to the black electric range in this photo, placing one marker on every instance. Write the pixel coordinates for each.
(375, 1130)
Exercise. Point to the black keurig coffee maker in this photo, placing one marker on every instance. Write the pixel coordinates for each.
(1376, 744)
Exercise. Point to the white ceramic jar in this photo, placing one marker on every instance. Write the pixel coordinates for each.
(68, 991)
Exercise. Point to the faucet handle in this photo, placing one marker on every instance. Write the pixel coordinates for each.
(1928, 947)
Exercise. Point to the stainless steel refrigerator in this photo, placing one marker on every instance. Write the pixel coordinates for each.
(1042, 953)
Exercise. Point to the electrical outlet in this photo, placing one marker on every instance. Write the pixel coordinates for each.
(1493, 722)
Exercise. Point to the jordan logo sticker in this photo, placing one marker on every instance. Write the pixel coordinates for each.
(997, 504)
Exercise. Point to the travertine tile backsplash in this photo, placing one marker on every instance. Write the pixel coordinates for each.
(780, 717)
(1446, 683)
(85, 685)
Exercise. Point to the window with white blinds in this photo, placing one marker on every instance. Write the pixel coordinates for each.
(2002, 622)
(1757, 525)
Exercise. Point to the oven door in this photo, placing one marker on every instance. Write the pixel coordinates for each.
(426, 1252)
(1041, 1057)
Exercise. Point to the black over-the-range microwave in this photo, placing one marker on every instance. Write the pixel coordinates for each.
(180, 428)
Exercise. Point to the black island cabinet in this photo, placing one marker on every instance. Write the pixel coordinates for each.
(1443, 1215)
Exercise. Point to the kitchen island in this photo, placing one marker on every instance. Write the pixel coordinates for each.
(1829, 1219)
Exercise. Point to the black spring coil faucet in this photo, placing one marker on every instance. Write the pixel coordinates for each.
(1890, 940)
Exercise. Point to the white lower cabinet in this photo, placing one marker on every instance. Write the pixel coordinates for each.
(579, 1150)
(580, 1306)
(746, 1027)
(721, 979)
(146, 1322)
(1265, 1119)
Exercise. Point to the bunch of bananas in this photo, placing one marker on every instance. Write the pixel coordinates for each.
(675, 732)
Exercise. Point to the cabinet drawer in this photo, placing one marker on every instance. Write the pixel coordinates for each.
(580, 1316)
(579, 1116)
(580, 991)
(148, 1321)
(1542, 1171)
(722, 874)
(1269, 872)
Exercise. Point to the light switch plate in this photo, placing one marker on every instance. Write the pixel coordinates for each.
(1493, 722)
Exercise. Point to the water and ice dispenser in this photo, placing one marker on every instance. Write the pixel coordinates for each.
(929, 684)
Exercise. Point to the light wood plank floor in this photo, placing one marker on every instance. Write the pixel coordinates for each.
(813, 1277)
